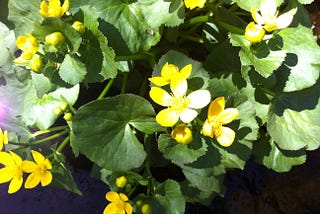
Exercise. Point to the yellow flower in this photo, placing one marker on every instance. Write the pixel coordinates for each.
(178, 104)
(55, 39)
(29, 46)
(182, 134)
(191, 4)
(4, 138)
(121, 181)
(118, 204)
(12, 171)
(268, 16)
(35, 64)
(79, 27)
(54, 8)
(169, 72)
(218, 116)
(254, 33)
(39, 170)
(67, 116)
(146, 209)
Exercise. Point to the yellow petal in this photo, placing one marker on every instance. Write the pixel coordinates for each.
(188, 115)
(199, 99)
(160, 96)
(179, 86)
(128, 208)
(228, 115)
(227, 137)
(216, 107)
(46, 178)
(47, 164)
(191, 4)
(16, 158)
(167, 117)
(254, 33)
(186, 71)
(65, 7)
(6, 159)
(111, 209)
(112, 196)
(159, 81)
(32, 181)
(285, 19)
(169, 70)
(207, 129)
(37, 156)
(44, 9)
(5, 137)
(268, 8)
(21, 42)
(6, 174)
(123, 197)
(15, 184)
(28, 166)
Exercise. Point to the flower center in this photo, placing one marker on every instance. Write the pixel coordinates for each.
(217, 129)
(179, 103)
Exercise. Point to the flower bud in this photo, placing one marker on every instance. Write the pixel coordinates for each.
(254, 33)
(55, 39)
(146, 209)
(121, 181)
(35, 64)
(67, 116)
(63, 106)
(139, 203)
(57, 111)
(79, 27)
(182, 134)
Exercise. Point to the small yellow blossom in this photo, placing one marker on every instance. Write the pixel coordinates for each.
(54, 8)
(29, 46)
(40, 170)
(146, 209)
(12, 171)
(182, 134)
(55, 38)
(118, 204)
(254, 33)
(191, 4)
(4, 138)
(217, 117)
(178, 104)
(35, 64)
(268, 16)
(79, 27)
(121, 181)
(169, 72)
(67, 116)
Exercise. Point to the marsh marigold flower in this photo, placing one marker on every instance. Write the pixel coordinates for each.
(4, 138)
(182, 134)
(40, 170)
(178, 104)
(118, 204)
(191, 4)
(55, 39)
(169, 72)
(254, 33)
(29, 46)
(12, 171)
(121, 181)
(217, 117)
(54, 8)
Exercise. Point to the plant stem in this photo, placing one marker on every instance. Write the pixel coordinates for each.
(106, 89)
(191, 38)
(63, 144)
(49, 138)
(124, 83)
(131, 57)
(267, 91)
(196, 20)
(231, 28)
(57, 128)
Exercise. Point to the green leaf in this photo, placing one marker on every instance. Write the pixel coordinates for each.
(181, 153)
(248, 4)
(7, 44)
(266, 152)
(39, 112)
(128, 18)
(305, 1)
(168, 198)
(104, 131)
(72, 70)
(157, 13)
(41, 83)
(194, 195)
(293, 119)
(302, 66)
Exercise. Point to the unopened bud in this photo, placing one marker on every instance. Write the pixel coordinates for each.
(121, 181)
(54, 39)
(79, 27)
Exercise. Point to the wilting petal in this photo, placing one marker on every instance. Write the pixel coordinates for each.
(128, 208)
(268, 8)
(179, 86)
(112, 196)
(6, 159)
(15, 184)
(167, 117)
(227, 137)
(285, 19)
(186, 71)
(188, 115)
(159, 81)
(216, 107)
(160, 96)
(46, 178)
(6, 174)
(32, 181)
(37, 156)
(199, 99)
(28, 166)
(228, 115)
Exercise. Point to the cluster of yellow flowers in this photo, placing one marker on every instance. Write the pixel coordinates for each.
(184, 107)
(267, 20)
(118, 203)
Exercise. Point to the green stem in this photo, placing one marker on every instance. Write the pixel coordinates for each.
(49, 138)
(124, 83)
(231, 28)
(106, 89)
(191, 38)
(53, 129)
(131, 57)
(144, 85)
(63, 144)
(267, 91)
(196, 20)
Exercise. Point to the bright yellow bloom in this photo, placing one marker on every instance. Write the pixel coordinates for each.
(4, 138)
(12, 171)
(218, 116)
(39, 170)
(191, 4)
(121, 182)
(268, 16)
(182, 134)
(146, 209)
(169, 72)
(178, 104)
(79, 27)
(254, 33)
(118, 204)
(54, 8)
(29, 46)
(35, 64)
(55, 39)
